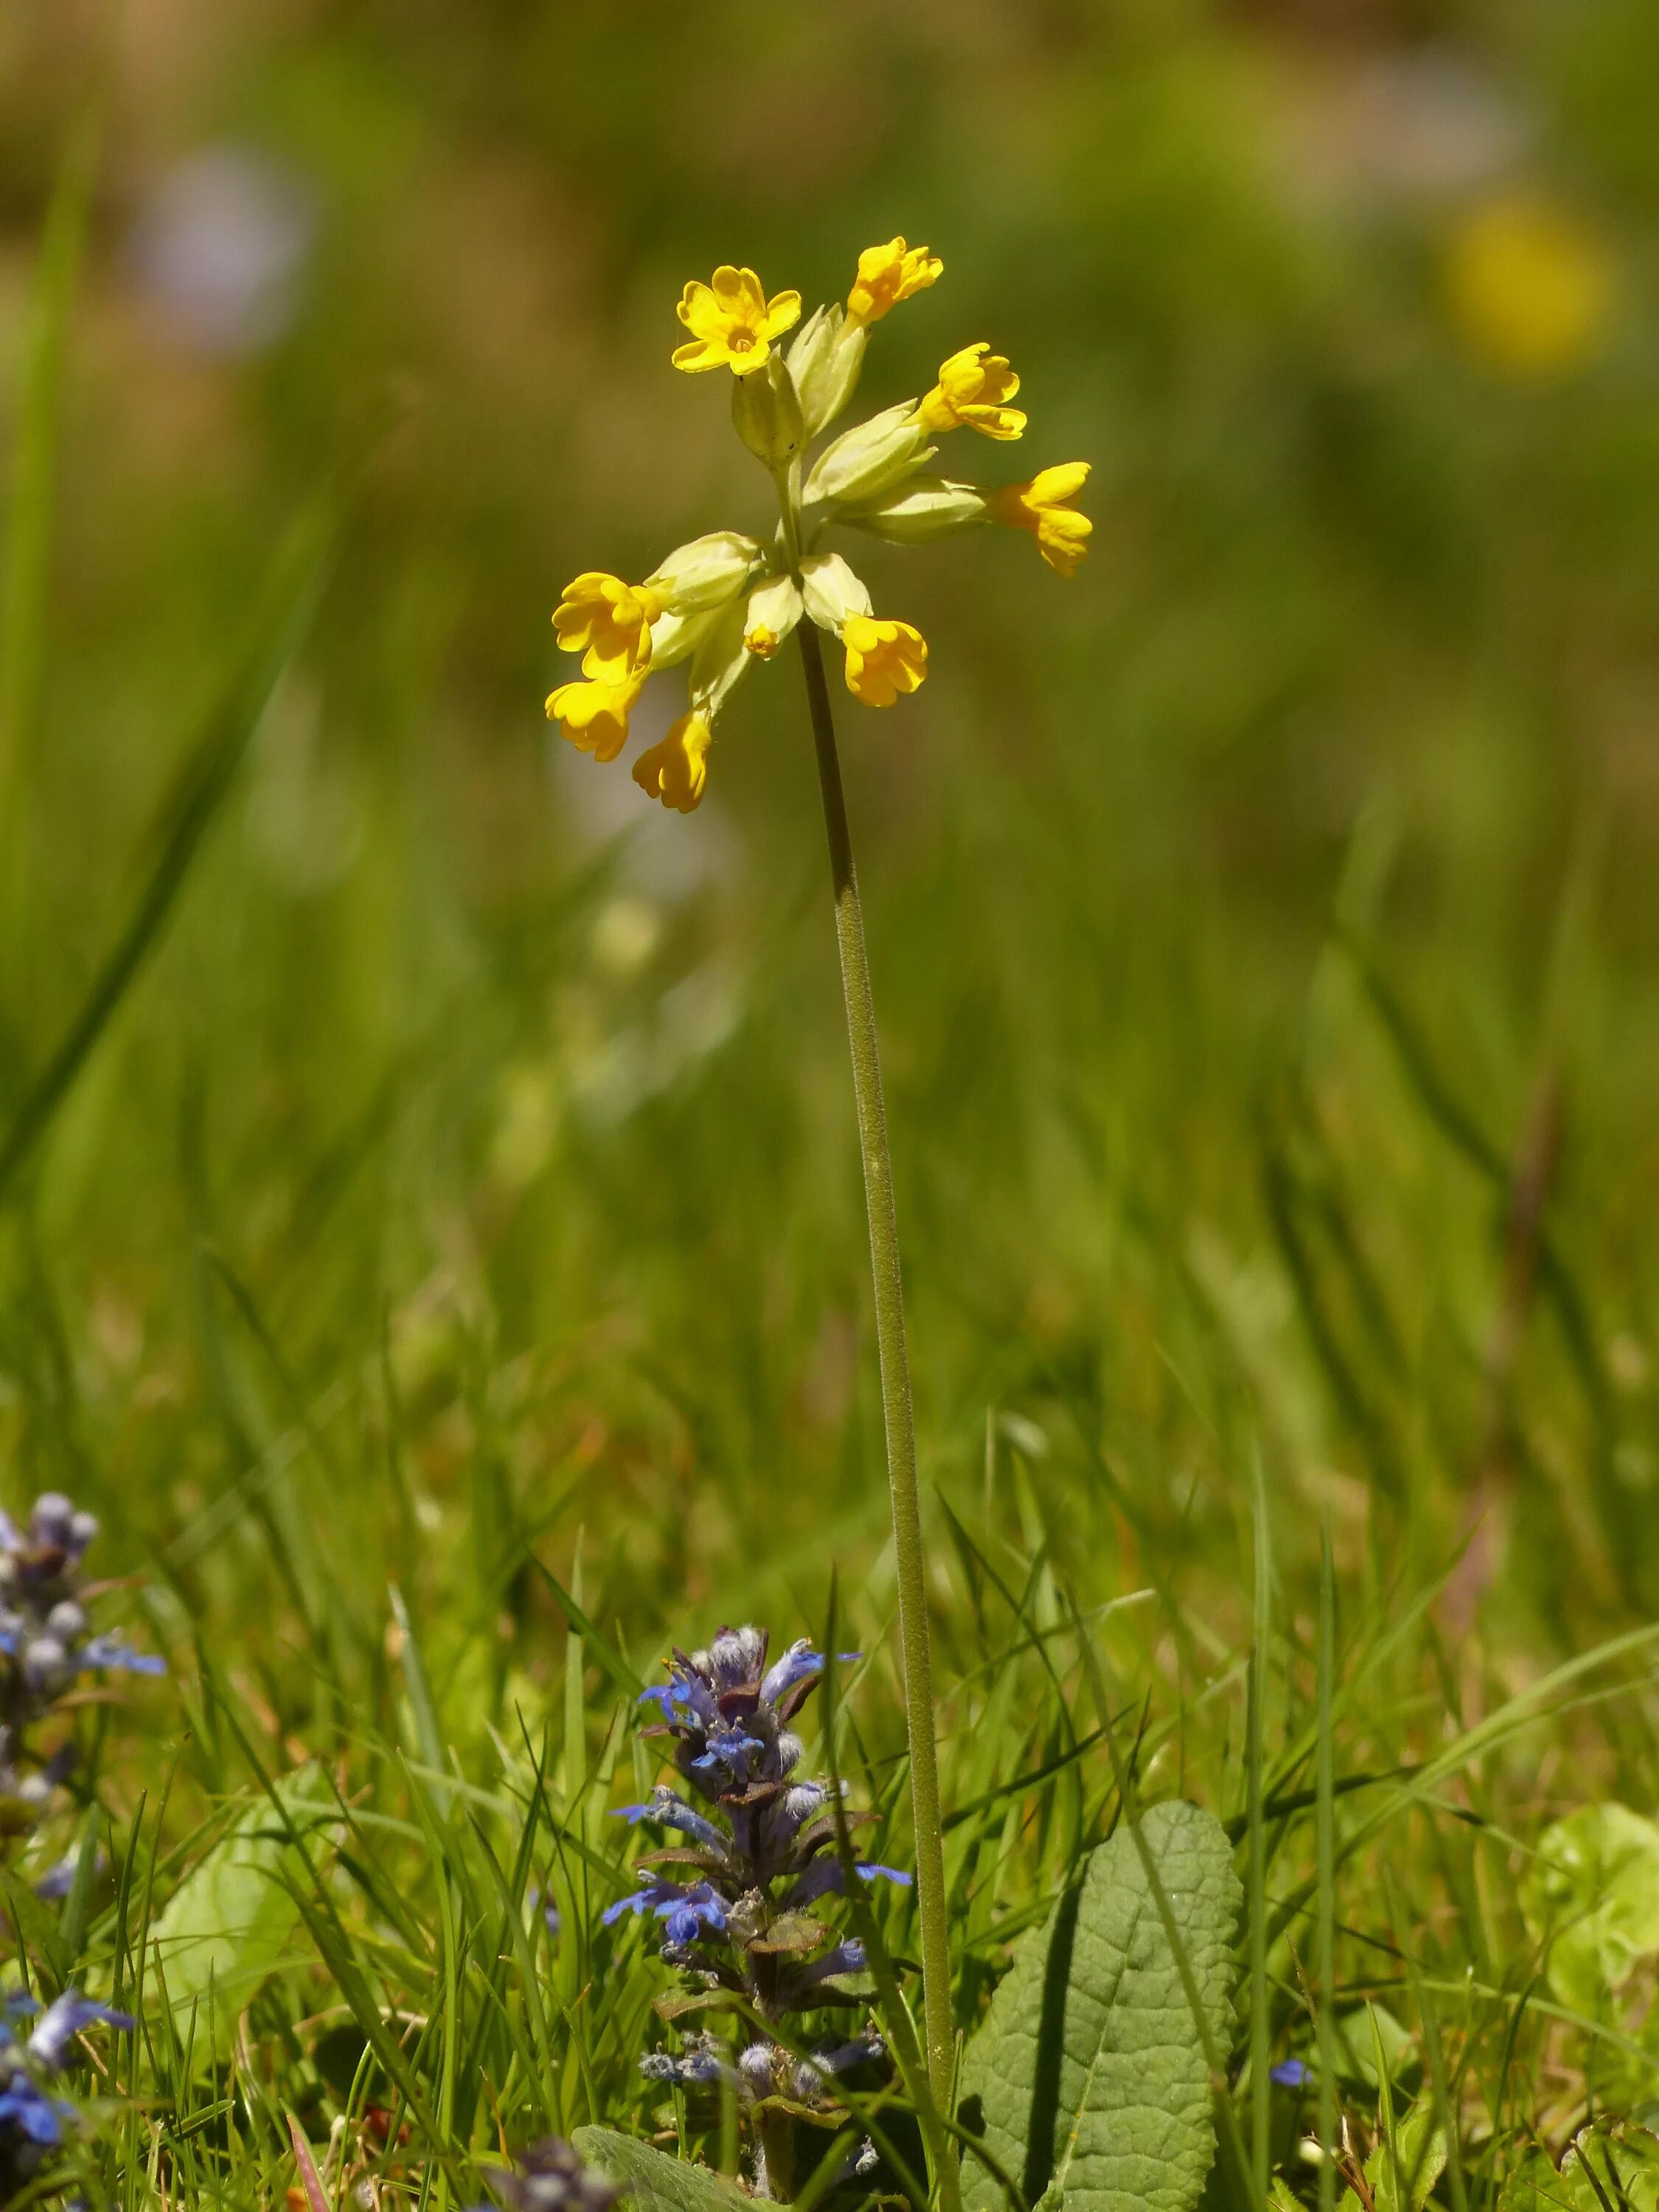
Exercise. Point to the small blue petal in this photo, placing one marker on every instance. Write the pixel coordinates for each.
(1291, 2074)
(871, 1872)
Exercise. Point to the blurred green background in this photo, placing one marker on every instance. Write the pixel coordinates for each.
(1262, 922)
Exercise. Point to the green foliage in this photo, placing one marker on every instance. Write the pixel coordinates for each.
(1090, 2073)
(654, 2181)
(230, 1922)
(1609, 2167)
(1408, 2162)
(1593, 1895)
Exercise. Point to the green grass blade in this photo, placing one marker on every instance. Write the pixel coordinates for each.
(273, 638)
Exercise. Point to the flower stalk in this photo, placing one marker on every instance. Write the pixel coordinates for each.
(897, 1416)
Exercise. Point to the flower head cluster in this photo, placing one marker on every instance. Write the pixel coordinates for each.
(725, 600)
(33, 2121)
(740, 1892)
(46, 1640)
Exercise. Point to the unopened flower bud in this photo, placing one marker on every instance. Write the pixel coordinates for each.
(919, 510)
(67, 1622)
(775, 608)
(870, 458)
(833, 592)
(705, 574)
(766, 412)
(824, 361)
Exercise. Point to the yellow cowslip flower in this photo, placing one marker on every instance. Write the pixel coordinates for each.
(972, 388)
(883, 659)
(1044, 508)
(732, 323)
(594, 716)
(724, 604)
(608, 623)
(1531, 288)
(676, 771)
(888, 274)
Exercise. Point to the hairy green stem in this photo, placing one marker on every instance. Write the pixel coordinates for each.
(895, 1388)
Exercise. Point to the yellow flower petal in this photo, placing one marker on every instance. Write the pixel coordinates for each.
(883, 659)
(732, 322)
(676, 771)
(1043, 507)
(974, 386)
(888, 274)
(608, 623)
(594, 716)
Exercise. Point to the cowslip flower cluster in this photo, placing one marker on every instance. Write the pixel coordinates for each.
(46, 1644)
(725, 600)
(32, 2120)
(751, 1875)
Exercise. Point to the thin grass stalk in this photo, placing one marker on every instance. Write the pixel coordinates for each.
(900, 1422)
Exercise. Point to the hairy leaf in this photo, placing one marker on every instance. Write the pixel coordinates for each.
(655, 2182)
(1089, 2079)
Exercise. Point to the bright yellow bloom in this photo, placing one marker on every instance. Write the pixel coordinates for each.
(972, 387)
(1044, 508)
(732, 323)
(608, 623)
(883, 659)
(1531, 288)
(888, 274)
(594, 716)
(675, 771)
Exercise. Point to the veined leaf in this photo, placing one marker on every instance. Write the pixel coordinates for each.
(655, 2182)
(1089, 2072)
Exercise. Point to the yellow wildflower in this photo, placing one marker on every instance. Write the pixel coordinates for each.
(972, 387)
(594, 716)
(675, 771)
(888, 274)
(1044, 508)
(883, 659)
(608, 623)
(1531, 288)
(732, 323)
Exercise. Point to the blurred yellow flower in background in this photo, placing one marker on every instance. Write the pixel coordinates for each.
(1530, 287)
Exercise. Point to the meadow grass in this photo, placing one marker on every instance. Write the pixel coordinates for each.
(432, 1241)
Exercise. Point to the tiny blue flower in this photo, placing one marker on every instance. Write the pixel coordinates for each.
(1291, 2074)
(63, 2019)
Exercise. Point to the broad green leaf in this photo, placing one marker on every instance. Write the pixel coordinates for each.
(227, 1924)
(655, 2182)
(1404, 2177)
(1622, 2163)
(1089, 2079)
(1594, 1894)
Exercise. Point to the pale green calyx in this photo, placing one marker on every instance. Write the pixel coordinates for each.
(704, 574)
(824, 360)
(767, 414)
(871, 458)
(832, 592)
(919, 510)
